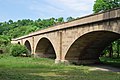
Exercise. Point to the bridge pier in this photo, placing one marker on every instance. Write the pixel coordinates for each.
(57, 61)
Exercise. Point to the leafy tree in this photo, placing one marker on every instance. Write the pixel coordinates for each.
(19, 50)
(4, 40)
(103, 5)
(60, 20)
(69, 19)
(10, 21)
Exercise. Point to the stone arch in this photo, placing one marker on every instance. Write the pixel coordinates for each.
(88, 47)
(28, 45)
(18, 42)
(45, 49)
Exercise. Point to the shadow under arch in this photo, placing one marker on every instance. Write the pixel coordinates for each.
(45, 49)
(88, 47)
(27, 44)
(18, 42)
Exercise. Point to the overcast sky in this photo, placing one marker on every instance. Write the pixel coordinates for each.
(34, 9)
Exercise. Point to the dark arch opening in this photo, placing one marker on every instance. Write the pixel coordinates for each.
(18, 42)
(88, 48)
(27, 44)
(44, 49)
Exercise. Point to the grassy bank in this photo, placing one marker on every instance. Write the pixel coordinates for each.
(17, 68)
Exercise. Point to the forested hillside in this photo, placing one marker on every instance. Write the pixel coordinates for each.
(19, 28)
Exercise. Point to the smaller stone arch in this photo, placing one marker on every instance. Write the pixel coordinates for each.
(18, 42)
(28, 45)
(45, 49)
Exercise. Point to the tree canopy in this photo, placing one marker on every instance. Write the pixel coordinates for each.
(103, 5)
(19, 28)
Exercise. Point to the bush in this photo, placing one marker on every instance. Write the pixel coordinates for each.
(5, 48)
(4, 40)
(1, 51)
(19, 50)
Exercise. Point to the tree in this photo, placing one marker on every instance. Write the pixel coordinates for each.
(60, 20)
(69, 19)
(103, 5)
(19, 50)
(10, 21)
(118, 47)
(4, 40)
(111, 51)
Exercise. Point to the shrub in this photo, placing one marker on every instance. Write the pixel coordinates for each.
(4, 40)
(19, 50)
(1, 51)
(5, 48)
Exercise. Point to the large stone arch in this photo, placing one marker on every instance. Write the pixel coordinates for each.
(28, 45)
(45, 48)
(107, 27)
(88, 47)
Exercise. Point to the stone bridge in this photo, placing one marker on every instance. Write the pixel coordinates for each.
(80, 41)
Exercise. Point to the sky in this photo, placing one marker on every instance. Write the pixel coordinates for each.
(44, 9)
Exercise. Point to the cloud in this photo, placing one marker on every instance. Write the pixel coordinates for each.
(45, 9)
(63, 8)
(76, 5)
(35, 9)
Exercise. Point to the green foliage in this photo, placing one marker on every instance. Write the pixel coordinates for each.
(103, 5)
(5, 48)
(60, 20)
(20, 31)
(111, 61)
(114, 51)
(18, 50)
(4, 40)
(70, 19)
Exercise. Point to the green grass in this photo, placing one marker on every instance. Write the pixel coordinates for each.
(17, 68)
(111, 61)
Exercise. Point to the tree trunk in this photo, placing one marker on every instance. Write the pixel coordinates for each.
(111, 51)
(118, 46)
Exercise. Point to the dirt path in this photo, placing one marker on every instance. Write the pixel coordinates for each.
(104, 68)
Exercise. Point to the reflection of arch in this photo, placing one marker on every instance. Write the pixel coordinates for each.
(27, 44)
(89, 46)
(45, 49)
(18, 42)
